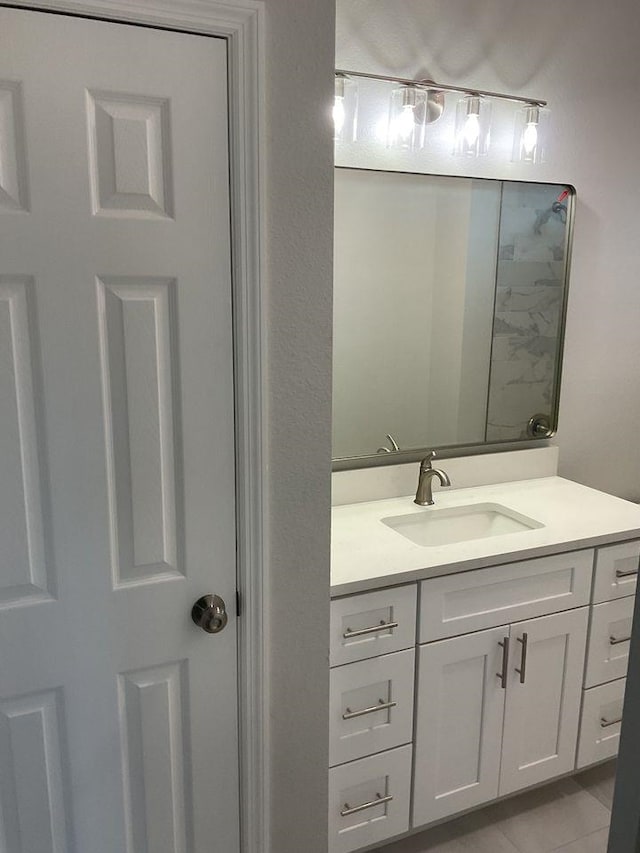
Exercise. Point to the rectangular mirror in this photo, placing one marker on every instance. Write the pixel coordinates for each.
(449, 305)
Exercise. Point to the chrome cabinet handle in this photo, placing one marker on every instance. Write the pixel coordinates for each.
(620, 573)
(347, 809)
(383, 626)
(523, 659)
(615, 641)
(381, 706)
(505, 663)
(606, 723)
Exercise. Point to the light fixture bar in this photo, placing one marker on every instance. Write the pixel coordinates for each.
(444, 87)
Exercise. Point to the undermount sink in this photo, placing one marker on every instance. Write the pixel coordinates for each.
(434, 527)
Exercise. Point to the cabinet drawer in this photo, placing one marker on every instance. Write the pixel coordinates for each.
(485, 598)
(371, 705)
(609, 635)
(616, 571)
(356, 818)
(374, 623)
(600, 723)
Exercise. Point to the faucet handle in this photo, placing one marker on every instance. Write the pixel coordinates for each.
(426, 462)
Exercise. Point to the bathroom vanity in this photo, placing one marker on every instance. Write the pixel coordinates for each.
(478, 647)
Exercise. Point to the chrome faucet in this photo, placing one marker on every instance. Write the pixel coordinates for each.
(424, 495)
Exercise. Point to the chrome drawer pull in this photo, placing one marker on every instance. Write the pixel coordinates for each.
(524, 639)
(347, 810)
(383, 626)
(381, 706)
(622, 574)
(505, 663)
(605, 723)
(615, 641)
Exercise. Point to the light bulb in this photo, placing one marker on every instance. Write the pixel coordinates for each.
(407, 117)
(345, 109)
(531, 135)
(472, 129)
(405, 122)
(530, 138)
(338, 115)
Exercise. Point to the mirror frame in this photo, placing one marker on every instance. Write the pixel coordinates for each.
(445, 451)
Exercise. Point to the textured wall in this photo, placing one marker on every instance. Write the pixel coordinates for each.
(582, 57)
(299, 198)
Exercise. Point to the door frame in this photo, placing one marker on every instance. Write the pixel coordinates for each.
(241, 24)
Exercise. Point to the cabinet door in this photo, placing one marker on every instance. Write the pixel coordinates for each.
(459, 712)
(543, 699)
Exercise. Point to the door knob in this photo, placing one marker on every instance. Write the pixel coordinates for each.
(210, 613)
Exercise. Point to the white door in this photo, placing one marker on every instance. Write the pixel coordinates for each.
(543, 699)
(117, 714)
(459, 717)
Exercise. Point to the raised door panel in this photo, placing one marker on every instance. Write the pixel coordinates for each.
(139, 386)
(13, 161)
(156, 754)
(26, 571)
(34, 814)
(459, 716)
(543, 699)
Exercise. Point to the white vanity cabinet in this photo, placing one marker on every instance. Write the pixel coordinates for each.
(519, 678)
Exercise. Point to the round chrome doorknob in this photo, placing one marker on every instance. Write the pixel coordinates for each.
(210, 613)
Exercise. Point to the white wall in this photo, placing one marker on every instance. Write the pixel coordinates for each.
(582, 56)
(298, 248)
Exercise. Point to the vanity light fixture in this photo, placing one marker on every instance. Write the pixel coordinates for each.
(345, 108)
(417, 103)
(473, 126)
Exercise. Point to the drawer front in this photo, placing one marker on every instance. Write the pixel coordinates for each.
(374, 623)
(371, 703)
(616, 571)
(485, 598)
(600, 723)
(609, 635)
(369, 800)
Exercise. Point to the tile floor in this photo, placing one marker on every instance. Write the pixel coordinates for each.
(569, 816)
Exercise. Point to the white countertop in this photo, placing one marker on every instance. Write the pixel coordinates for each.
(366, 554)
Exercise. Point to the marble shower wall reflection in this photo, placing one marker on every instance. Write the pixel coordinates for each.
(530, 280)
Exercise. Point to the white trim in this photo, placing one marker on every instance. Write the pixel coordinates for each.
(241, 22)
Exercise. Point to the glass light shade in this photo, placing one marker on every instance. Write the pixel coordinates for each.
(473, 126)
(345, 109)
(530, 135)
(407, 118)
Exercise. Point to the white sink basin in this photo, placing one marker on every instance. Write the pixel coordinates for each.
(447, 526)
